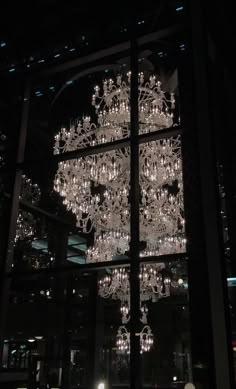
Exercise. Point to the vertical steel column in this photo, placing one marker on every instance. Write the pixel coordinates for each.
(8, 259)
(17, 183)
(67, 336)
(93, 332)
(135, 376)
(200, 324)
(214, 249)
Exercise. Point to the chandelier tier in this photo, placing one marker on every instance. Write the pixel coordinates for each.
(156, 282)
(96, 188)
(123, 340)
(113, 106)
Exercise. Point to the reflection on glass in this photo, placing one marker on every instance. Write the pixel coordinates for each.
(26, 223)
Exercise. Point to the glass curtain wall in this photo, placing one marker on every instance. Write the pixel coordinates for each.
(98, 269)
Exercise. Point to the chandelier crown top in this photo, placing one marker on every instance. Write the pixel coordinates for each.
(112, 103)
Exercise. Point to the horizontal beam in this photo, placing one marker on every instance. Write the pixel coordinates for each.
(164, 258)
(160, 134)
(118, 144)
(39, 211)
(76, 269)
(68, 269)
(91, 150)
(116, 49)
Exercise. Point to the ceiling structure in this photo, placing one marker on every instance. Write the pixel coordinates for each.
(48, 28)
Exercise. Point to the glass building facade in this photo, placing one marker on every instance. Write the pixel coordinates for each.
(117, 238)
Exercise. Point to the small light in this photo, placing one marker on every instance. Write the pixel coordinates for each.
(179, 9)
(39, 337)
(12, 70)
(174, 378)
(69, 82)
(3, 44)
(101, 385)
(31, 340)
(57, 55)
(73, 49)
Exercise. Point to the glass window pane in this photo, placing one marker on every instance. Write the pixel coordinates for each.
(164, 335)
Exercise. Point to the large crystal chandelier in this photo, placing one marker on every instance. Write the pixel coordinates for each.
(96, 188)
(25, 226)
(156, 282)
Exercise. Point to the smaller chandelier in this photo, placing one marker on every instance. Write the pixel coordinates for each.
(30, 193)
(123, 340)
(155, 283)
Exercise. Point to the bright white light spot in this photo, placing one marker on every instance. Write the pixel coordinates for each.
(189, 386)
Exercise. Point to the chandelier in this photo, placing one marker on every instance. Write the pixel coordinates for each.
(123, 340)
(156, 282)
(96, 188)
(25, 226)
